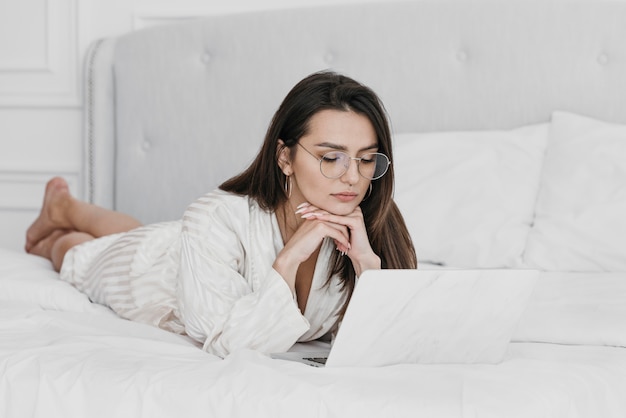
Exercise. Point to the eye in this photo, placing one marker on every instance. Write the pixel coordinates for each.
(368, 159)
(331, 157)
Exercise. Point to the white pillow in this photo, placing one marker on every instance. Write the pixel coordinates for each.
(29, 279)
(576, 308)
(468, 197)
(580, 220)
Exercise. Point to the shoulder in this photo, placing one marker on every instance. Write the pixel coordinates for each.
(220, 198)
(220, 205)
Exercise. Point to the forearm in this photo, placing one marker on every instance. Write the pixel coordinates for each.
(287, 267)
(371, 262)
(267, 319)
(273, 323)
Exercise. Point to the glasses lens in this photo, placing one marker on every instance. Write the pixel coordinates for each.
(373, 166)
(334, 164)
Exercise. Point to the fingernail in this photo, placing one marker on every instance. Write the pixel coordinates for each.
(302, 205)
(307, 215)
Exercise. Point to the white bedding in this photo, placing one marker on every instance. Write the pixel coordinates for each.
(62, 356)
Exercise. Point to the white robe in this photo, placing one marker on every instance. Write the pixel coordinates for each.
(210, 276)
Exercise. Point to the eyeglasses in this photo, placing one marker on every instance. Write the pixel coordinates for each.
(335, 164)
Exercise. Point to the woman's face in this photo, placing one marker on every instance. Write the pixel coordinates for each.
(331, 130)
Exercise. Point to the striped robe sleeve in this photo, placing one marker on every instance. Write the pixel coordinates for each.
(220, 306)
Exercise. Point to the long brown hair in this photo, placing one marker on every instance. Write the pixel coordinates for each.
(263, 180)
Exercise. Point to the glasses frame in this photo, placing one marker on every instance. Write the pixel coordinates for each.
(357, 159)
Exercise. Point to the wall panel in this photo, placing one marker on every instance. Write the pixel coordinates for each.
(22, 194)
(39, 107)
(38, 53)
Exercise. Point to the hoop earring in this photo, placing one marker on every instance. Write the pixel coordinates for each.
(369, 193)
(288, 186)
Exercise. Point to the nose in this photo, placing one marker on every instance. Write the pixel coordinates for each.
(351, 176)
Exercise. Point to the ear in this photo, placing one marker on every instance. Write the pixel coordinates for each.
(284, 158)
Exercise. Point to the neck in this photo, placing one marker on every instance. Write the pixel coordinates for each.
(288, 221)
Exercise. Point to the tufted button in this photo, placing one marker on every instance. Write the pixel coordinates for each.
(603, 59)
(461, 56)
(205, 58)
(329, 58)
(146, 145)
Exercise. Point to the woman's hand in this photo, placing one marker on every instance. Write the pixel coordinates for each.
(352, 226)
(304, 242)
(347, 231)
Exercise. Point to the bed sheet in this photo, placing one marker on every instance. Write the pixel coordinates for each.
(60, 355)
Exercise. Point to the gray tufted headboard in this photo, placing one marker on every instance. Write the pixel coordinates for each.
(174, 110)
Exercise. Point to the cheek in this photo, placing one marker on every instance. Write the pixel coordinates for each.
(308, 178)
(312, 186)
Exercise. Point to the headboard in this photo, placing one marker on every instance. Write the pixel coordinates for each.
(174, 110)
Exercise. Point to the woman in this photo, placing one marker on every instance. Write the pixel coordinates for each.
(269, 259)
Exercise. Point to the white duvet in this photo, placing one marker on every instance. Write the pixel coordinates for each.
(61, 355)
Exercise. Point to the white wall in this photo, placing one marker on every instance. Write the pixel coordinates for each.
(39, 106)
(42, 47)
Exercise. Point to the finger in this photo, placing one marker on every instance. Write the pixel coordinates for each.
(306, 208)
(302, 207)
(339, 233)
(350, 221)
(310, 211)
(341, 247)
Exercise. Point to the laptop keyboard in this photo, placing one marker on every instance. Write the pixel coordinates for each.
(320, 360)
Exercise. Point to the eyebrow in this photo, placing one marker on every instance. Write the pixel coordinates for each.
(343, 147)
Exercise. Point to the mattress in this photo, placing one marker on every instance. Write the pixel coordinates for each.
(62, 355)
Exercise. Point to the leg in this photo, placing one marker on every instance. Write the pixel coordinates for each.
(55, 245)
(61, 211)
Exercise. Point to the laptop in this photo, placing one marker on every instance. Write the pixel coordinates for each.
(428, 317)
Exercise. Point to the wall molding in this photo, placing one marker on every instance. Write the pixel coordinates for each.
(23, 191)
(148, 19)
(54, 79)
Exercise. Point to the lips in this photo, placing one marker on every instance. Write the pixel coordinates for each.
(345, 196)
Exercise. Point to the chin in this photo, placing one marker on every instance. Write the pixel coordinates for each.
(342, 209)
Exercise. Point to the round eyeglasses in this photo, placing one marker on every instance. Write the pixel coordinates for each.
(335, 164)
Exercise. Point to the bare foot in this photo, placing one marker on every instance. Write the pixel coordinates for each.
(52, 216)
(43, 247)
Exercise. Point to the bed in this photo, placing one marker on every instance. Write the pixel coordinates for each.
(510, 126)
